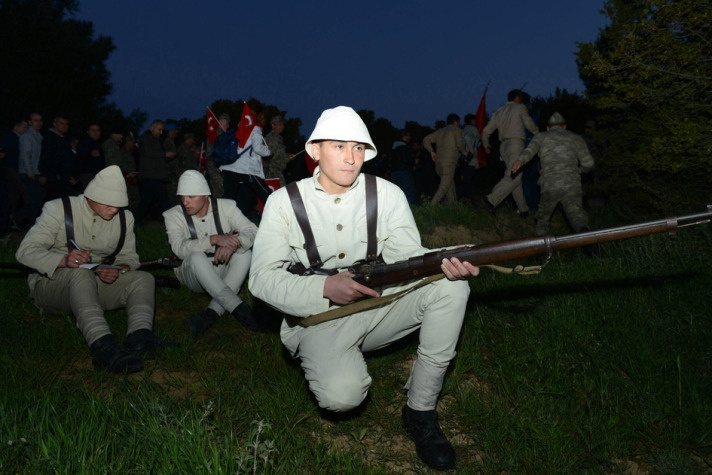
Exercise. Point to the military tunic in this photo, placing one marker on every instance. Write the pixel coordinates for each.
(79, 291)
(331, 352)
(197, 272)
(563, 156)
(449, 145)
(510, 121)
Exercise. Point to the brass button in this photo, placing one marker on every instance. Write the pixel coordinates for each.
(337, 200)
(94, 221)
(342, 255)
(93, 237)
(339, 227)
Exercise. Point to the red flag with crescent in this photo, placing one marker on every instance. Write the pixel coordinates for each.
(247, 123)
(202, 159)
(211, 126)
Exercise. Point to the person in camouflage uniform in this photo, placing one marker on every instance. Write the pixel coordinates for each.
(214, 176)
(112, 148)
(278, 160)
(564, 156)
(185, 160)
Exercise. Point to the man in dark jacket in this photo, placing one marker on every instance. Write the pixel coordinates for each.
(57, 160)
(152, 170)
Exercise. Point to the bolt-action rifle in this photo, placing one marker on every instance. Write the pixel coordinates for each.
(375, 274)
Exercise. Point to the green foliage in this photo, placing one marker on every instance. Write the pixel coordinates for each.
(649, 74)
(572, 106)
(54, 64)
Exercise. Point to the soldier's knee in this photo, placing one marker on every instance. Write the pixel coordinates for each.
(341, 392)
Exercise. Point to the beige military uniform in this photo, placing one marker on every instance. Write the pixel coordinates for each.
(79, 291)
(222, 282)
(449, 144)
(510, 121)
(331, 353)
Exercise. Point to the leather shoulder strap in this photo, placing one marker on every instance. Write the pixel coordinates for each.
(303, 220)
(189, 222)
(371, 218)
(68, 222)
(122, 237)
(216, 215)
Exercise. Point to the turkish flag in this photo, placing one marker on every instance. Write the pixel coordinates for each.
(273, 184)
(311, 163)
(247, 123)
(211, 128)
(202, 159)
(480, 122)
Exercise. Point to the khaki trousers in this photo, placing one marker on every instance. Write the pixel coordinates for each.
(510, 150)
(221, 282)
(446, 189)
(81, 293)
(331, 353)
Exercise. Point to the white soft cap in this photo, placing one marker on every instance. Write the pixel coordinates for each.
(108, 187)
(344, 124)
(192, 183)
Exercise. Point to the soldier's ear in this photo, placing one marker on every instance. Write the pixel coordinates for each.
(315, 151)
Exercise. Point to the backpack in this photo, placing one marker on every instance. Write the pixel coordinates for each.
(225, 148)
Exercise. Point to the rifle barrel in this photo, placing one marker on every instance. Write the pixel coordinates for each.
(375, 274)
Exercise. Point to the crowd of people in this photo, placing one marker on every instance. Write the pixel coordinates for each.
(82, 244)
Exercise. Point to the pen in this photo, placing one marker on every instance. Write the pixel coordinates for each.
(76, 246)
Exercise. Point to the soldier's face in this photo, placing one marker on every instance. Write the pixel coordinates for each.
(195, 205)
(105, 212)
(339, 163)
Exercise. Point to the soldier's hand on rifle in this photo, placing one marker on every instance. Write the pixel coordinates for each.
(516, 166)
(454, 269)
(342, 289)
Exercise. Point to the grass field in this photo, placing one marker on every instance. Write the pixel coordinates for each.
(599, 365)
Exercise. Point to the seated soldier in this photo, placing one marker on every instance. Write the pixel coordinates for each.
(214, 239)
(66, 246)
(334, 202)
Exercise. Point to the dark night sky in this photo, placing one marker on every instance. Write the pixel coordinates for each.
(420, 62)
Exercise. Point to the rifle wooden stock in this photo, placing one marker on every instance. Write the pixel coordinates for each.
(377, 274)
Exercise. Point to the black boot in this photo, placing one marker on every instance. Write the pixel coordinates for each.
(243, 314)
(201, 321)
(108, 355)
(430, 442)
(144, 343)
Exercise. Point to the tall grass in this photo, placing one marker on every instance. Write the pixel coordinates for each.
(596, 365)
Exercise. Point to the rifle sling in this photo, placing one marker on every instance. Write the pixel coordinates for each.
(367, 304)
(69, 230)
(358, 306)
